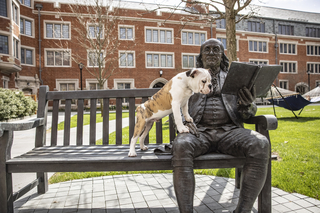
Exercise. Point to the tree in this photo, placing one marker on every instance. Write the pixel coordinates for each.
(212, 10)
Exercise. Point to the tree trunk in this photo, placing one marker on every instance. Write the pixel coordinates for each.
(231, 34)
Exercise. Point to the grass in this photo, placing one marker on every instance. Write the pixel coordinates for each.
(296, 142)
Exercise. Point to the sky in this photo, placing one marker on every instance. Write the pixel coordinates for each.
(301, 5)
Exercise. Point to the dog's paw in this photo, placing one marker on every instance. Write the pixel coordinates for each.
(132, 153)
(144, 148)
(189, 119)
(183, 129)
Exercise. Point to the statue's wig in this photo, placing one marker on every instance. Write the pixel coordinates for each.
(224, 65)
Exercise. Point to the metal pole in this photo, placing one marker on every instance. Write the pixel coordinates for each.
(81, 77)
(309, 80)
(39, 7)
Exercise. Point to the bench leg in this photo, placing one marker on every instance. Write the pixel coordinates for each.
(43, 182)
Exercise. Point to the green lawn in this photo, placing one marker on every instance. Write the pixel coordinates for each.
(296, 142)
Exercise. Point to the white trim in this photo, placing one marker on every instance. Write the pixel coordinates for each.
(314, 73)
(55, 22)
(189, 54)
(127, 26)
(31, 3)
(165, 53)
(257, 40)
(32, 26)
(289, 43)
(88, 62)
(314, 46)
(56, 49)
(258, 60)
(124, 80)
(286, 61)
(94, 80)
(126, 52)
(158, 28)
(67, 81)
(194, 31)
(158, 80)
(96, 25)
(33, 55)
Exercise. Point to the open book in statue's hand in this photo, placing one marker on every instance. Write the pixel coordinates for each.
(245, 74)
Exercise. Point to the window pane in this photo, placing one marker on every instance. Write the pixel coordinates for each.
(63, 87)
(255, 48)
(156, 60)
(65, 31)
(281, 48)
(127, 85)
(3, 8)
(91, 31)
(149, 36)
(293, 49)
(197, 38)
(249, 26)
(123, 59)
(191, 61)
(184, 38)
(22, 56)
(155, 35)
(130, 60)
(66, 59)
(149, 60)
(250, 46)
(27, 3)
(169, 37)
(57, 31)
(185, 61)
(28, 28)
(260, 46)
(122, 33)
(4, 44)
(289, 48)
(263, 27)
(169, 61)
(285, 48)
(50, 58)
(203, 38)
(254, 26)
(190, 38)
(71, 87)
(163, 60)
(49, 30)
(162, 36)
(294, 67)
(28, 57)
(21, 26)
(258, 27)
(130, 33)
(58, 58)
(264, 46)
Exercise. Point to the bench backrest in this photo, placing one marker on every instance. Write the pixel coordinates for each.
(93, 95)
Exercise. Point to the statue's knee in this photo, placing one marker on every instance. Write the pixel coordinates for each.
(260, 147)
(183, 151)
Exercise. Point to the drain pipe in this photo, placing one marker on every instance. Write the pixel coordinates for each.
(39, 7)
(276, 48)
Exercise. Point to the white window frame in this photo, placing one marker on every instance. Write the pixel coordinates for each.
(15, 53)
(127, 26)
(89, 24)
(95, 81)
(158, 29)
(296, 62)
(3, 33)
(17, 22)
(56, 49)
(282, 42)
(258, 40)
(33, 55)
(280, 81)
(314, 46)
(88, 60)
(259, 60)
(67, 81)
(5, 82)
(193, 37)
(189, 54)
(313, 67)
(123, 80)
(32, 26)
(160, 53)
(127, 52)
(31, 3)
(45, 22)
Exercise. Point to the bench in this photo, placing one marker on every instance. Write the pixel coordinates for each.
(74, 156)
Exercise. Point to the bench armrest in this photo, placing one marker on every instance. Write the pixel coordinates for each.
(266, 122)
(22, 125)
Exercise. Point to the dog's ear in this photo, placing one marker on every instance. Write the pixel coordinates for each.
(191, 73)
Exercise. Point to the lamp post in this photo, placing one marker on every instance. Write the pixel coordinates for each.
(80, 67)
(308, 72)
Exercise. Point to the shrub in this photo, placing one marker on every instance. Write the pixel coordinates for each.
(14, 104)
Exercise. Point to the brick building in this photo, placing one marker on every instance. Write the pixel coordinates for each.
(158, 47)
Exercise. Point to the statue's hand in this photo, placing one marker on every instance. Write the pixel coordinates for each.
(246, 97)
(192, 128)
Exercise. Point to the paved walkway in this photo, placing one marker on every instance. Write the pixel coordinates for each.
(141, 193)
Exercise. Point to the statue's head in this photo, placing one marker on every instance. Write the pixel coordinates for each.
(212, 55)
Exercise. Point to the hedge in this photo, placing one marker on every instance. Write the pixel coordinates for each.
(14, 104)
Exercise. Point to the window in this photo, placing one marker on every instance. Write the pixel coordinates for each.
(57, 30)
(314, 67)
(94, 31)
(317, 83)
(94, 58)
(26, 56)
(313, 50)
(193, 38)
(287, 48)
(67, 87)
(159, 35)
(4, 47)
(127, 59)
(286, 29)
(256, 26)
(288, 67)
(258, 46)
(283, 84)
(15, 13)
(58, 58)
(257, 61)
(3, 8)
(26, 2)
(126, 32)
(5, 82)
(124, 86)
(224, 42)
(221, 23)
(160, 60)
(26, 27)
(312, 32)
(189, 61)
(15, 48)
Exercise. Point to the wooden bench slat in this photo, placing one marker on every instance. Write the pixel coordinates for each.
(119, 121)
(172, 131)
(93, 120)
(159, 132)
(54, 123)
(80, 122)
(131, 117)
(67, 116)
(105, 128)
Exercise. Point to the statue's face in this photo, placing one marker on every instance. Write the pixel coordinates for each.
(212, 54)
